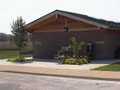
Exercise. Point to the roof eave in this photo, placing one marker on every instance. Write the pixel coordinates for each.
(99, 25)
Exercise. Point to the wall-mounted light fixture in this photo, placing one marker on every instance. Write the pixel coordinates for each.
(65, 29)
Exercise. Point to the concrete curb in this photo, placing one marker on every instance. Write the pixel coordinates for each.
(66, 76)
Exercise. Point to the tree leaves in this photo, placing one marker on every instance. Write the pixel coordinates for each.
(19, 32)
(76, 47)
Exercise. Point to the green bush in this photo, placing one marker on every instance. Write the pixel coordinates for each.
(84, 60)
(17, 59)
(76, 61)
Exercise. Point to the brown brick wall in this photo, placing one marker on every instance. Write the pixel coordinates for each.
(47, 44)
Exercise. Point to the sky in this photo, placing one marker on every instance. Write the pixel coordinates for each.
(33, 9)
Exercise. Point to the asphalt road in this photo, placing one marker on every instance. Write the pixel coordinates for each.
(13, 81)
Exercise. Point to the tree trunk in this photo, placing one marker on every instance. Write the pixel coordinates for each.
(19, 52)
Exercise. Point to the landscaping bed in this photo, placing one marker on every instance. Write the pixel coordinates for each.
(17, 59)
(76, 61)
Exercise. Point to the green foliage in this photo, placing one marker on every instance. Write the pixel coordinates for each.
(84, 60)
(111, 67)
(29, 37)
(19, 33)
(10, 38)
(17, 59)
(76, 61)
(10, 54)
(76, 47)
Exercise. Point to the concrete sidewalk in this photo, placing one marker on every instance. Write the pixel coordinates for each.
(50, 63)
(62, 72)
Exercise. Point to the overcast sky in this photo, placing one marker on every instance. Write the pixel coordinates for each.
(33, 9)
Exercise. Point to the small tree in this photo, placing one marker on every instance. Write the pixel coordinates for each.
(19, 33)
(76, 47)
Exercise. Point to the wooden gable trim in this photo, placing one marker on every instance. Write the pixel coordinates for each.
(67, 15)
(42, 18)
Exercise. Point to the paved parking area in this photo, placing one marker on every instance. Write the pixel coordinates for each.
(13, 81)
(49, 63)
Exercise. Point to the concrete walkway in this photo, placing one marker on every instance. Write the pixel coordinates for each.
(51, 67)
(62, 72)
(47, 63)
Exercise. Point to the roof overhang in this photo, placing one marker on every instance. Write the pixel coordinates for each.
(57, 12)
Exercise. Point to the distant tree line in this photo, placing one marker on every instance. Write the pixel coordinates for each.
(8, 37)
(4, 37)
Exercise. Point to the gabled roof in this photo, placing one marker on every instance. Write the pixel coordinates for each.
(80, 17)
(111, 24)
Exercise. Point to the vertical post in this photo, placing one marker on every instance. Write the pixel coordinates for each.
(56, 16)
(66, 23)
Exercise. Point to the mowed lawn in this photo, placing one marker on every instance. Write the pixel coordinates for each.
(111, 67)
(8, 50)
(10, 54)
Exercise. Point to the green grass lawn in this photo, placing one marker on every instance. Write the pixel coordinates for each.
(111, 67)
(9, 54)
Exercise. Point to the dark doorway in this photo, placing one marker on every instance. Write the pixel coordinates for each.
(90, 51)
(117, 53)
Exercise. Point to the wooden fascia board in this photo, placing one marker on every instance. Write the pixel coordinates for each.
(41, 19)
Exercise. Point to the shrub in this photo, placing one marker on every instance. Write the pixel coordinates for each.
(70, 61)
(17, 59)
(76, 61)
(84, 60)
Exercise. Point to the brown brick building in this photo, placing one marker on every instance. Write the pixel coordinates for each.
(54, 31)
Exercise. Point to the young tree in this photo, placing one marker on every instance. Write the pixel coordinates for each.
(76, 47)
(19, 33)
(29, 37)
(10, 36)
